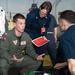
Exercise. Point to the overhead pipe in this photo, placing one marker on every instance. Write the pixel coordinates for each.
(55, 4)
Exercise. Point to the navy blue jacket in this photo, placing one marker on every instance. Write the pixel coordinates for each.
(34, 23)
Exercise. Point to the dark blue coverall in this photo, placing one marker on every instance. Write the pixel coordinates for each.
(66, 49)
(33, 27)
(51, 46)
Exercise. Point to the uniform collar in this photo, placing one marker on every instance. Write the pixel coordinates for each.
(13, 31)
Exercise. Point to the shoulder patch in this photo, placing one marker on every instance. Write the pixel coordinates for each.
(4, 36)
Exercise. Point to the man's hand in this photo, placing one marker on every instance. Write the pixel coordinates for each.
(40, 57)
(60, 65)
(17, 60)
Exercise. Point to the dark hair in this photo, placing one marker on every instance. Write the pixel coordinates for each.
(17, 16)
(68, 15)
(46, 5)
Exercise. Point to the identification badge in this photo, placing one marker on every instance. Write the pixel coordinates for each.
(43, 29)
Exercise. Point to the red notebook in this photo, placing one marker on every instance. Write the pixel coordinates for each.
(40, 41)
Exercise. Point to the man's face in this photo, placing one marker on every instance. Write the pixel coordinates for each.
(62, 25)
(20, 25)
(43, 13)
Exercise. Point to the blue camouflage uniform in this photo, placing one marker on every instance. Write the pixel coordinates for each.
(67, 43)
(33, 27)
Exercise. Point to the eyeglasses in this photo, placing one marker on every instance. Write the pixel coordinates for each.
(43, 13)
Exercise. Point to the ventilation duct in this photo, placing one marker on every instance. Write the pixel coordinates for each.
(33, 6)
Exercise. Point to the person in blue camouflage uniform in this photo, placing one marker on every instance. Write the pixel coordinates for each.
(66, 48)
(36, 19)
(16, 49)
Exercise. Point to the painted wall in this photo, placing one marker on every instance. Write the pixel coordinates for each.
(65, 5)
(21, 6)
(18, 6)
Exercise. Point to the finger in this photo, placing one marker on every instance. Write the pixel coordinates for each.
(54, 66)
(42, 54)
(22, 58)
(42, 59)
(14, 56)
(57, 67)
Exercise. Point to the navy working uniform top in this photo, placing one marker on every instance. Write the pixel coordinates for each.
(34, 23)
(33, 27)
(67, 44)
(50, 31)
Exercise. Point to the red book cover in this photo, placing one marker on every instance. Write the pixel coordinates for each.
(40, 41)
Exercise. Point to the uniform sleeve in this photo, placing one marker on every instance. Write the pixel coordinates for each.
(4, 49)
(67, 47)
(29, 18)
(53, 21)
(30, 49)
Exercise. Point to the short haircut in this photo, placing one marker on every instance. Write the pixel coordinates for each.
(46, 5)
(68, 15)
(17, 16)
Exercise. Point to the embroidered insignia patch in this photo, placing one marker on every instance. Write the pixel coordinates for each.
(15, 42)
(23, 42)
(3, 37)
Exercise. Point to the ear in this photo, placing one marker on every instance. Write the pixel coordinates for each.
(14, 24)
(65, 22)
